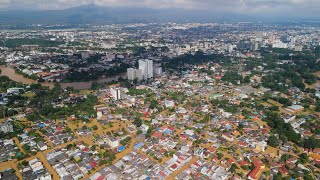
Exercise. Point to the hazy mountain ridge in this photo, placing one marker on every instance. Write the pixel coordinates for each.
(91, 14)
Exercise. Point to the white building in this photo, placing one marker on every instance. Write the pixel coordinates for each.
(85, 55)
(131, 74)
(116, 93)
(6, 127)
(15, 91)
(147, 68)
(134, 74)
(113, 142)
(168, 103)
(158, 71)
(42, 146)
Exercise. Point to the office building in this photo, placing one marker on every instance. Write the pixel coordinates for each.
(147, 68)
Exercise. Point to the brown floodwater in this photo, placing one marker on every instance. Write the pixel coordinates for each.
(8, 71)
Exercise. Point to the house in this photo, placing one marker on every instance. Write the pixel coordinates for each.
(6, 127)
(42, 146)
(255, 173)
(295, 109)
(258, 167)
(15, 91)
(138, 146)
(227, 137)
(121, 148)
(144, 128)
(168, 103)
(157, 134)
(283, 170)
(112, 142)
(261, 146)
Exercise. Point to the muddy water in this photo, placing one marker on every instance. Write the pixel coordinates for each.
(8, 71)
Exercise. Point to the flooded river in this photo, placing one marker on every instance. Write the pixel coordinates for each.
(8, 71)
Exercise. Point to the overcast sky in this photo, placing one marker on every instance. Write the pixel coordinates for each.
(303, 8)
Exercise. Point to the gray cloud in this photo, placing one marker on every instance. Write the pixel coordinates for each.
(303, 7)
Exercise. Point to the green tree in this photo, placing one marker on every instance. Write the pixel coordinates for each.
(273, 141)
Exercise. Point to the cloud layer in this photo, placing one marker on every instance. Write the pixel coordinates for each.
(266, 7)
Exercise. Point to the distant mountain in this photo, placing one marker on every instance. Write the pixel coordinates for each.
(92, 14)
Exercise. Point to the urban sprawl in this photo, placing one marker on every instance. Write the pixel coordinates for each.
(161, 101)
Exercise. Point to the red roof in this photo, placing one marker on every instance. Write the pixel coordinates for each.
(183, 136)
(157, 134)
(242, 144)
(257, 162)
(218, 77)
(283, 169)
(211, 149)
(93, 164)
(231, 161)
(59, 128)
(196, 164)
(254, 173)
(308, 133)
(244, 163)
(162, 174)
(163, 127)
(85, 149)
(100, 178)
(174, 166)
(215, 159)
(316, 161)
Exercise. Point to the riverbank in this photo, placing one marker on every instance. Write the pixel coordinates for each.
(10, 72)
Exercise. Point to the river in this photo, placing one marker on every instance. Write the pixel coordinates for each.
(8, 71)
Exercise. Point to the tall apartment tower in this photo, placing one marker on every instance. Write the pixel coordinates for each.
(116, 93)
(147, 68)
(134, 74)
(131, 73)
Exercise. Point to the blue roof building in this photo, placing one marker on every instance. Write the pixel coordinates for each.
(121, 148)
(138, 146)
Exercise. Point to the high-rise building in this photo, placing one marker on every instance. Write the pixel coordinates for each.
(255, 46)
(134, 74)
(230, 48)
(85, 55)
(158, 71)
(139, 75)
(244, 45)
(131, 73)
(116, 93)
(147, 68)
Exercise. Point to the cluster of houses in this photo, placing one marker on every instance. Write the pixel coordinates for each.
(57, 133)
(8, 174)
(203, 170)
(6, 127)
(8, 150)
(32, 142)
(73, 163)
(136, 166)
(35, 170)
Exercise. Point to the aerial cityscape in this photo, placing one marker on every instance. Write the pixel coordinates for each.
(108, 90)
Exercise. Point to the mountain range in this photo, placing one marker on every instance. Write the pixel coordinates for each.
(93, 14)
